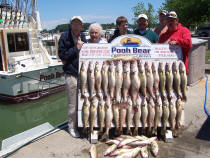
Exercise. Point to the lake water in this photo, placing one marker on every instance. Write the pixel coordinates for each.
(16, 118)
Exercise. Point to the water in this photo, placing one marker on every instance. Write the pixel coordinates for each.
(16, 118)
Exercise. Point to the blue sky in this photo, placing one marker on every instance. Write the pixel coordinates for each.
(54, 12)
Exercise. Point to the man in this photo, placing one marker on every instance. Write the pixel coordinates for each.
(162, 27)
(122, 28)
(69, 46)
(177, 35)
(143, 29)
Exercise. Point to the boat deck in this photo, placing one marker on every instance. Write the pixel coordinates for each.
(193, 142)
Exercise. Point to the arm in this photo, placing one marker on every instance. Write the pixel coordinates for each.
(65, 51)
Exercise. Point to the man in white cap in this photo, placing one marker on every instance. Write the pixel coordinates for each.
(177, 35)
(143, 29)
(69, 46)
(162, 27)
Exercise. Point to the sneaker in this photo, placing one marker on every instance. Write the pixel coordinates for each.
(74, 133)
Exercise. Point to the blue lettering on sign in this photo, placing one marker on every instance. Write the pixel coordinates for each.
(121, 50)
(139, 50)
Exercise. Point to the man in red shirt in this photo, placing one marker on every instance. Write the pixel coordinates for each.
(177, 35)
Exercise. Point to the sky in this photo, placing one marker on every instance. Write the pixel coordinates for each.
(55, 12)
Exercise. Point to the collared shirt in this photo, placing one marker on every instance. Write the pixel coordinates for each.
(75, 39)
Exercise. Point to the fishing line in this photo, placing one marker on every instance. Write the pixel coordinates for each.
(206, 97)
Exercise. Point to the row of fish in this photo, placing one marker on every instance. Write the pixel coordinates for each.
(120, 79)
(129, 147)
(147, 113)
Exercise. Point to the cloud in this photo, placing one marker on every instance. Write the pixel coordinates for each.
(102, 19)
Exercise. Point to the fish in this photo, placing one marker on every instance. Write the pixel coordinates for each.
(108, 117)
(98, 79)
(120, 152)
(130, 114)
(165, 116)
(126, 141)
(137, 115)
(169, 79)
(110, 149)
(158, 114)
(126, 81)
(144, 152)
(183, 77)
(118, 81)
(179, 109)
(133, 153)
(154, 148)
(144, 114)
(156, 79)
(176, 79)
(101, 114)
(113, 141)
(116, 115)
(91, 79)
(161, 72)
(141, 143)
(111, 79)
(143, 79)
(150, 80)
(104, 75)
(123, 111)
(135, 82)
(83, 79)
(151, 115)
(93, 113)
(85, 114)
(172, 116)
(93, 152)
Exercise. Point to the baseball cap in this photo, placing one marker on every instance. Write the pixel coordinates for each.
(77, 17)
(163, 12)
(143, 16)
(172, 14)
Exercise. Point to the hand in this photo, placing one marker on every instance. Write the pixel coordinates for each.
(79, 44)
(172, 42)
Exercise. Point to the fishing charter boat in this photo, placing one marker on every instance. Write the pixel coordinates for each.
(27, 71)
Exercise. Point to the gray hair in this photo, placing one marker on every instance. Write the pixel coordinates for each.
(96, 25)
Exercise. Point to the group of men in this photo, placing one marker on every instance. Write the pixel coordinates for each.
(169, 31)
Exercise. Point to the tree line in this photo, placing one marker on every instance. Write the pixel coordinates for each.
(190, 13)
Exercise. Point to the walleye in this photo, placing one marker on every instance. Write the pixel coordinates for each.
(110, 149)
(91, 79)
(135, 82)
(116, 115)
(151, 115)
(83, 79)
(172, 116)
(183, 77)
(111, 79)
(133, 153)
(123, 111)
(108, 117)
(85, 114)
(161, 72)
(118, 81)
(144, 152)
(93, 113)
(144, 114)
(165, 116)
(101, 114)
(150, 80)
(156, 79)
(154, 148)
(130, 114)
(137, 115)
(104, 75)
(176, 79)
(158, 114)
(126, 81)
(93, 152)
(143, 79)
(97, 73)
(179, 109)
(169, 79)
